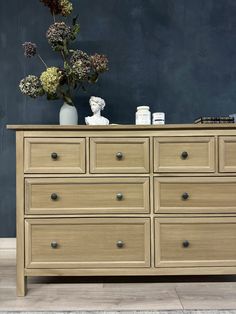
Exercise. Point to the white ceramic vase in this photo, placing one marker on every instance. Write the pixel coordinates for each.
(68, 115)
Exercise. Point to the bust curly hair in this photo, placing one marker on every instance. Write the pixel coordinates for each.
(98, 100)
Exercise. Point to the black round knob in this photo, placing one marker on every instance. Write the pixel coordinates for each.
(119, 196)
(185, 243)
(54, 196)
(185, 196)
(54, 156)
(184, 155)
(54, 244)
(119, 155)
(119, 244)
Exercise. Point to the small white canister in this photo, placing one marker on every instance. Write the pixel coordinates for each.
(143, 115)
(158, 118)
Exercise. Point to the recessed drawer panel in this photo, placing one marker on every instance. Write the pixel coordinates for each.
(119, 155)
(87, 243)
(54, 155)
(195, 195)
(87, 195)
(184, 154)
(227, 151)
(195, 242)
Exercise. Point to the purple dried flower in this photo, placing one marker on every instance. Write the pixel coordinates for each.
(54, 6)
(30, 49)
(99, 63)
(57, 34)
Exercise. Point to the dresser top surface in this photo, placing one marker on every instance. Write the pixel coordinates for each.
(41, 127)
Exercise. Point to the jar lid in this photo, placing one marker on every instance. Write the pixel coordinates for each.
(143, 108)
(159, 115)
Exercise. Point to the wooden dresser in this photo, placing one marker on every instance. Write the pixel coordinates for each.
(125, 200)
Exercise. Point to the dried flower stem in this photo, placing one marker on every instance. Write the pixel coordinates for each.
(42, 61)
(63, 56)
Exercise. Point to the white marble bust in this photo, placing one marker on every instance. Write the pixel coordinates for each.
(97, 104)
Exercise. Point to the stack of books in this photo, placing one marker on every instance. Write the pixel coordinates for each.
(214, 120)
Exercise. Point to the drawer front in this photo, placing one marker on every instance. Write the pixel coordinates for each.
(119, 155)
(184, 154)
(87, 243)
(87, 195)
(227, 154)
(195, 242)
(195, 195)
(54, 155)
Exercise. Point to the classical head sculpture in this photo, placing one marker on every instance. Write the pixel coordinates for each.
(97, 104)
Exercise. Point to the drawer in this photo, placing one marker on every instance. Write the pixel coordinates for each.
(195, 195)
(87, 195)
(54, 155)
(87, 243)
(119, 155)
(184, 154)
(227, 154)
(195, 242)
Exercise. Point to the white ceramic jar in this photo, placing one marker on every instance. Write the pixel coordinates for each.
(143, 116)
(158, 118)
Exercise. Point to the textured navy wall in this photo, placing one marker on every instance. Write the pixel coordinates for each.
(177, 56)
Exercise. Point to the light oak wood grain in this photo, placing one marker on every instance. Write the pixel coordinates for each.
(87, 219)
(205, 195)
(87, 195)
(168, 150)
(227, 153)
(121, 127)
(211, 241)
(21, 285)
(87, 243)
(93, 133)
(70, 151)
(158, 271)
(135, 152)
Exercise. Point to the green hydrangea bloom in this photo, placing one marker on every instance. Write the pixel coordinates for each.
(66, 7)
(50, 80)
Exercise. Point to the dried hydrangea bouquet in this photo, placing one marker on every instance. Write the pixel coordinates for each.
(77, 69)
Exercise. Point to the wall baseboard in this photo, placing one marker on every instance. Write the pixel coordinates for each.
(7, 243)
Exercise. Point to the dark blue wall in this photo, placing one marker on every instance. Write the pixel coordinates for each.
(177, 56)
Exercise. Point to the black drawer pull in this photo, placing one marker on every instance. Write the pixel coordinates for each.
(54, 196)
(119, 196)
(120, 244)
(185, 196)
(119, 155)
(184, 155)
(54, 156)
(54, 245)
(185, 244)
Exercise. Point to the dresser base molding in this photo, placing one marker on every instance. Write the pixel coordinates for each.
(125, 200)
(183, 271)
